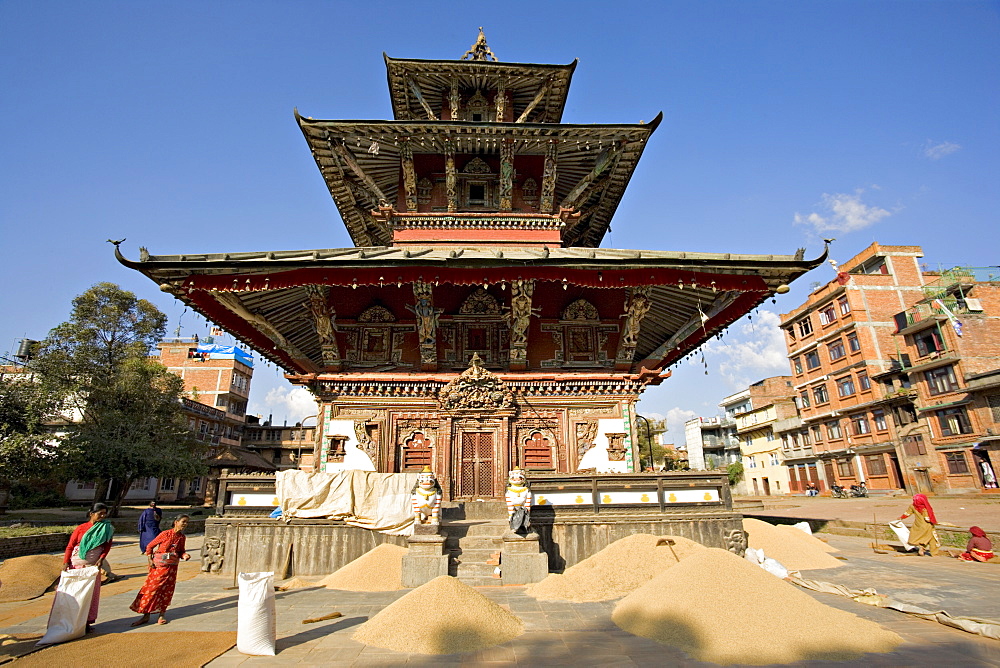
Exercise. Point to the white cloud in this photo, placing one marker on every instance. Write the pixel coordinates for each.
(843, 213)
(676, 417)
(751, 351)
(296, 403)
(936, 151)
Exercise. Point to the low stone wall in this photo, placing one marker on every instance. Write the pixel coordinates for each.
(302, 547)
(20, 546)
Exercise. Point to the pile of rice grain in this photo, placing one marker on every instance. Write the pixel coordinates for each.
(296, 583)
(793, 548)
(443, 616)
(25, 578)
(614, 571)
(380, 569)
(720, 608)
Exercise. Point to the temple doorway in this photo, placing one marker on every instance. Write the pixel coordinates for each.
(476, 465)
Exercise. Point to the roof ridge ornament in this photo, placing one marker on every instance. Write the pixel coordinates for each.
(480, 50)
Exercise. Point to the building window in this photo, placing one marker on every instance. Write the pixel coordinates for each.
(863, 381)
(875, 464)
(954, 421)
(836, 350)
(804, 399)
(941, 380)
(805, 327)
(820, 395)
(769, 435)
(914, 445)
(928, 342)
(812, 359)
(774, 459)
(844, 468)
(827, 315)
(845, 386)
(167, 485)
(879, 418)
(860, 425)
(748, 440)
(797, 364)
(751, 462)
(844, 305)
(852, 343)
(833, 430)
(805, 437)
(817, 434)
(195, 485)
(790, 330)
(994, 401)
(957, 464)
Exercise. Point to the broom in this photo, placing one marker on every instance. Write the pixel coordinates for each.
(876, 547)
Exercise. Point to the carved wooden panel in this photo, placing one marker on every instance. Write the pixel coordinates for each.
(476, 464)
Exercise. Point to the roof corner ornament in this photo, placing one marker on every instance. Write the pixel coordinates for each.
(480, 50)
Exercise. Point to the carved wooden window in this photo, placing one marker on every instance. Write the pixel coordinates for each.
(417, 452)
(529, 190)
(337, 449)
(477, 109)
(374, 344)
(537, 452)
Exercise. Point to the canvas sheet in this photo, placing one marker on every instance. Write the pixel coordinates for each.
(366, 499)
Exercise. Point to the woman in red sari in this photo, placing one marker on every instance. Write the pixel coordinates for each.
(164, 553)
(88, 546)
(979, 547)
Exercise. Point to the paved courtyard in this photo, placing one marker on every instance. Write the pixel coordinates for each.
(557, 633)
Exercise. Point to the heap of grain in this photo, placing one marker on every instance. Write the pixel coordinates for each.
(793, 548)
(380, 569)
(720, 608)
(443, 616)
(614, 571)
(28, 577)
(297, 583)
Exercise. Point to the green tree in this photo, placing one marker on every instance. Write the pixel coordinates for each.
(131, 417)
(29, 450)
(649, 439)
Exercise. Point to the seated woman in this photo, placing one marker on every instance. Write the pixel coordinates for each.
(979, 548)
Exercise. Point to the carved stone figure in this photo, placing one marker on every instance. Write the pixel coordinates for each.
(520, 311)
(213, 553)
(518, 498)
(736, 542)
(426, 498)
(476, 388)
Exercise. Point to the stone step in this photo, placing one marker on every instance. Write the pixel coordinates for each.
(462, 528)
(475, 570)
(473, 543)
(473, 510)
(491, 581)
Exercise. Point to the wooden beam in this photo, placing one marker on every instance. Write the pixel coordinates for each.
(638, 306)
(604, 161)
(264, 326)
(415, 89)
(426, 325)
(519, 317)
(539, 96)
(345, 154)
(501, 100)
(454, 100)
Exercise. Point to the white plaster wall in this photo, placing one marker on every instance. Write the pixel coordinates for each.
(354, 457)
(597, 456)
(695, 446)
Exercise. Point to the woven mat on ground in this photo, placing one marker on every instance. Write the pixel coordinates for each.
(181, 649)
(16, 644)
(25, 578)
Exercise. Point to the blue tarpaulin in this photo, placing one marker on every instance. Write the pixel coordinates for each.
(219, 352)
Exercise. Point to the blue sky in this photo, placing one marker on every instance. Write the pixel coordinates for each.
(171, 124)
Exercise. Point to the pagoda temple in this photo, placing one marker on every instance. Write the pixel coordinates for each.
(476, 325)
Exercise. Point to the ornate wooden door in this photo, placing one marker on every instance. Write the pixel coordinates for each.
(476, 465)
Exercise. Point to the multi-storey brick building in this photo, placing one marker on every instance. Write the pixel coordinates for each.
(877, 377)
(837, 341)
(948, 366)
(285, 446)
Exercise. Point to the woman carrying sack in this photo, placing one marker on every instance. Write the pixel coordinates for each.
(164, 553)
(922, 533)
(88, 546)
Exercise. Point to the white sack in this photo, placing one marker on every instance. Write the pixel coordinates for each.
(256, 626)
(68, 617)
(772, 566)
(804, 526)
(902, 533)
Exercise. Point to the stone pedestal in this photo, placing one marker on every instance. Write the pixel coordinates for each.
(426, 558)
(521, 559)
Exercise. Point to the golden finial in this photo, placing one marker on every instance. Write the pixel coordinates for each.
(427, 469)
(480, 50)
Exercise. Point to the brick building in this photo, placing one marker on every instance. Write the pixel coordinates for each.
(286, 447)
(885, 393)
